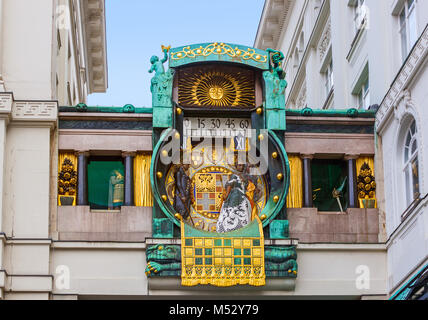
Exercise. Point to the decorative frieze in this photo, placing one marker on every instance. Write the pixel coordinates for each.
(35, 111)
(301, 100)
(325, 41)
(395, 95)
(6, 100)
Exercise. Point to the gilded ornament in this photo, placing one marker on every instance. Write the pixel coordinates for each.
(67, 178)
(259, 111)
(366, 183)
(263, 217)
(219, 49)
(179, 111)
(276, 199)
(275, 155)
(164, 198)
(159, 175)
(214, 87)
(279, 176)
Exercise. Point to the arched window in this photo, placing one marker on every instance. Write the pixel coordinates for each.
(411, 166)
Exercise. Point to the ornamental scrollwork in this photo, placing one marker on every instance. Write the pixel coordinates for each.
(219, 49)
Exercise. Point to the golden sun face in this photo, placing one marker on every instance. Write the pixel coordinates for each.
(213, 87)
(216, 93)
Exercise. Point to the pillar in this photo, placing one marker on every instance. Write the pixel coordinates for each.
(307, 181)
(129, 178)
(352, 180)
(82, 178)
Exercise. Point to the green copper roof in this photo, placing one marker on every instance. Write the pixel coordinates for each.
(128, 108)
(307, 112)
(351, 113)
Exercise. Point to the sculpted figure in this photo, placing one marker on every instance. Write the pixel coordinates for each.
(161, 83)
(275, 80)
(182, 191)
(163, 260)
(236, 209)
(116, 189)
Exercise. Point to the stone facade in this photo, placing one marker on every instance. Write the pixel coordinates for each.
(376, 61)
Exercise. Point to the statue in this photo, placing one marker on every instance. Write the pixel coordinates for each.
(116, 189)
(236, 209)
(163, 260)
(161, 84)
(275, 81)
(182, 192)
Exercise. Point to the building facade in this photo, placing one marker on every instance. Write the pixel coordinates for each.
(89, 209)
(57, 57)
(367, 55)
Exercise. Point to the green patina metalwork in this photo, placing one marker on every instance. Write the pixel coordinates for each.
(289, 112)
(219, 52)
(279, 229)
(165, 260)
(161, 88)
(128, 108)
(352, 113)
(162, 228)
(272, 208)
(280, 261)
(275, 85)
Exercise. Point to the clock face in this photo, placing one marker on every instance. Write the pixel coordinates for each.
(212, 193)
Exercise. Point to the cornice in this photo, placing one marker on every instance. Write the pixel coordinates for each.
(272, 23)
(28, 113)
(405, 75)
(94, 28)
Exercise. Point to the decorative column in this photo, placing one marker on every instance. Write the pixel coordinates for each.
(352, 180)
(129, 178)
(307, 181)
(82, 178)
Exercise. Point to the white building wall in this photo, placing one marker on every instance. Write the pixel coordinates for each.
(27, 48)
(35, 73)
(376, 50)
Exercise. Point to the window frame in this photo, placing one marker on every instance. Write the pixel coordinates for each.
(410, 158)
(364, 95)
(407, 39)
(329, 78)
(360, 15)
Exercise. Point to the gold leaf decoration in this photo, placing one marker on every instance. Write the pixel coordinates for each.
(215, 87)
(366, 183)
(218, 48)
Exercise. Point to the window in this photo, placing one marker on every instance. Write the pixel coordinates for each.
(408, 27)
(328, 77)
(364, 96)
(329, 187)
(411, 166)
(360, 14)
(106, 183)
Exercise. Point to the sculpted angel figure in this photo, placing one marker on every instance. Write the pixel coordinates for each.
(161, 82)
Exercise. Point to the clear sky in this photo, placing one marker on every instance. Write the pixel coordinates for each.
(136, 29)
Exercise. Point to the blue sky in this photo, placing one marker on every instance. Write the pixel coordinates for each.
(136, 29)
